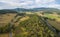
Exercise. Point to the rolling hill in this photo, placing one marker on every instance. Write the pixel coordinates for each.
(24, 25)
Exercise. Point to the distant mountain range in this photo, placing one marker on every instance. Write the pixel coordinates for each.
(33, 10)
(38, 9)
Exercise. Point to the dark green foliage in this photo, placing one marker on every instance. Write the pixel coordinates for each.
(7, 11)
(7, 29)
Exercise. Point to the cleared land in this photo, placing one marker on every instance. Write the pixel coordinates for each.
(55, 23)
(30, 25)
(6, 18)
(53, 16)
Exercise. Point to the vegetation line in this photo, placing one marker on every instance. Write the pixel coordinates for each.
(50, 27)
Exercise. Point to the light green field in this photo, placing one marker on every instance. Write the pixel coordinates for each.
(53, 16)
(55, 23)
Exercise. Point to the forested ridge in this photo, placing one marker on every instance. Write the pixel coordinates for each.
(34, 27)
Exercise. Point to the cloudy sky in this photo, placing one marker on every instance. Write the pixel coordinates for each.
(8, 4)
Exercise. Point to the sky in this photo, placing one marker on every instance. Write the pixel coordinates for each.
(9, 4)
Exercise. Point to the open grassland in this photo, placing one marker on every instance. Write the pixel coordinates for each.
(6, 18)
(53, 16)
(24, 18)
(7, 35)
(55, 24)
(4, 35)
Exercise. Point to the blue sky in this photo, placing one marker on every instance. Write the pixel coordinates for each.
(8, 4)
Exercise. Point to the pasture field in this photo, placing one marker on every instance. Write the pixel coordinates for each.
(6, 18)
(53, 16)
(56, 23)
(7, 35)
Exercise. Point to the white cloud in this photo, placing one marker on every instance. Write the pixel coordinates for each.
(54, 6)
(29, 3)
(44, 1)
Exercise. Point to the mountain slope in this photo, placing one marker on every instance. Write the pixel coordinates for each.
(30, 10)
(33, 27)
(38, 9)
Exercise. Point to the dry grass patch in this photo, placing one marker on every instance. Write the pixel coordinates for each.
(55, 24)
(24, 18)
(6, 18)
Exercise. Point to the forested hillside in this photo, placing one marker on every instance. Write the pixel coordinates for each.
(34, 27)
(37, 22)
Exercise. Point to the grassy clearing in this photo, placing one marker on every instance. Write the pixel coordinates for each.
(6, 18)
(24, 18)
(53, 16)
(6, 35)
(21, 19)
(55, 24)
